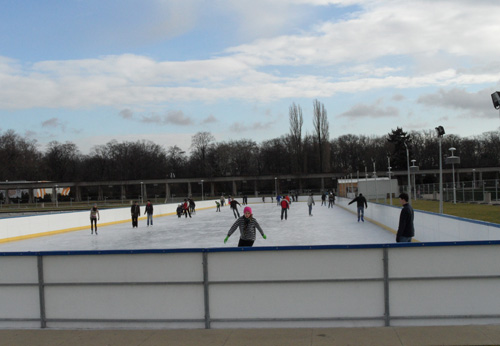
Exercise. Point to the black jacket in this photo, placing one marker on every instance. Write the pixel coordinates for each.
(361, 201)
(406, 228)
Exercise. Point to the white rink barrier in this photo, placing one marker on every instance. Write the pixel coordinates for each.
(429, 227)
(15, 228)
(316, 286)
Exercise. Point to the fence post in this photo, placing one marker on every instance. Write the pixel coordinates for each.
(387, 314)
(41, 292)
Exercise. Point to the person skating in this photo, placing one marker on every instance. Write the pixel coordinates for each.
(406, 229)
(285, 205)
(323, 199)
(149, 211)
(192, 206)
(179, 210)
(94, 216)
(218, 206)
(361, 203)
(310, 203)
(247, 225)
(331, 200)
(222, 200)
(135, 211)
(234, 206)
(185, 208)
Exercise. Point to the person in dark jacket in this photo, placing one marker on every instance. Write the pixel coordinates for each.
(179, 210)
(361, 203)
(406, 229)
(247, 225)
(94, 216)
(234, 206)
(135, 211)
(149, 212)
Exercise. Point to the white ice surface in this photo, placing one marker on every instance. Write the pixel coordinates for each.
(208, 228)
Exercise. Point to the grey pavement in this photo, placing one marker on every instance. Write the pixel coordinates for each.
(386, 336)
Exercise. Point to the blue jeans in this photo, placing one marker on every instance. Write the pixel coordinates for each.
(150, 218)
(310, 209)
(361, 211)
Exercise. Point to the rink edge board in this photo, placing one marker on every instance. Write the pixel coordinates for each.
(244, 249)
(81, 228)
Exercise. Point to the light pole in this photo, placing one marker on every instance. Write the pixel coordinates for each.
(390, 181)
(57, 202)
(440, 133)
(453, 159)
(414, 169)
(473, 183)
(276, 186)
(408, 167)
(375, 175)
(202, 189)
(142, 192)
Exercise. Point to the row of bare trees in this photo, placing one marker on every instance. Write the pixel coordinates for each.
(295, 152)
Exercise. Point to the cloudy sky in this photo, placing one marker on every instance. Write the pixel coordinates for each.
(88, 71)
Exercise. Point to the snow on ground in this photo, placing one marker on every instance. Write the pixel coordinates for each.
(208, 228)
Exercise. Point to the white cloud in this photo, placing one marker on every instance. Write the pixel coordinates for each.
(375, 110)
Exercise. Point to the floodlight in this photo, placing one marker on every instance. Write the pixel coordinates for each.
(440, 131)
(495, 97)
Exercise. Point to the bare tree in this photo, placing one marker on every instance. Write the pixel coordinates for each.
(296, 121)
(321, 132)
(200, 143)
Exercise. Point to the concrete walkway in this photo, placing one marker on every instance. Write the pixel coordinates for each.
(387, 336)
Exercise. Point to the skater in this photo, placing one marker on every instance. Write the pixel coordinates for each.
(245, 199)
(323, 199)
(406, 229)
(247, 225)
(331, 200)
(192, 206)
(179, 210)
(361, 203)
(185, 208)
(94, 216)
(310, 203)
(135, 211)
(278, 199)
(234, 206)
(218, 206)
(222, 200)
(149, 211)
(285, 205)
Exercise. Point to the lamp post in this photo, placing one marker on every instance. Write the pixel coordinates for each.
(452, 160)
(473, 183)
(408, 167)
(390, 181)
(142, 192)
(276, 186)
(57, 202)
(375, 176)
(202, 189)
(414, 169)
(440, 133)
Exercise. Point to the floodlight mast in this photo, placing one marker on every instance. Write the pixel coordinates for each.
(408, 167)
(440, 132)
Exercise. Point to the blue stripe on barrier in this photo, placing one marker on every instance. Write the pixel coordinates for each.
(236, 249)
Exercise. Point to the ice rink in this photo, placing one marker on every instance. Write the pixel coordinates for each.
(208, 228)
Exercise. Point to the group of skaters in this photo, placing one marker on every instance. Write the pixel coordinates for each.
(135, 212)
(186, 208)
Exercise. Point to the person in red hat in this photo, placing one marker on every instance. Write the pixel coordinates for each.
(247, 225)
